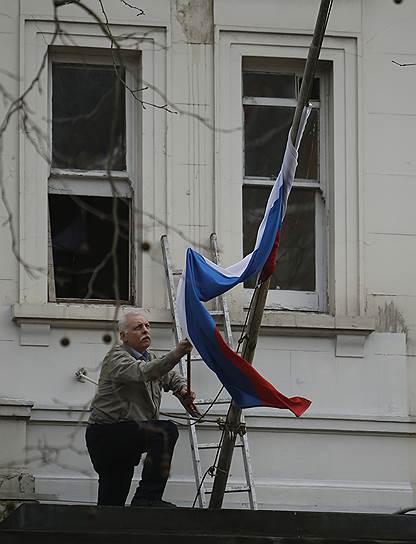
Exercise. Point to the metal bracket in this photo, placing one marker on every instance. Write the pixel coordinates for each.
(240, 429)
(82, 376)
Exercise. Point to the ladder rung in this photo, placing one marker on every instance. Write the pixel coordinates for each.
(238, 489)
(216, 312)
(211, 401)
(208, 446)
(235, 489)
(177, 272)
(214, 445)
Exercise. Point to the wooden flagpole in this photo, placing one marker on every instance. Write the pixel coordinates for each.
(233, 426)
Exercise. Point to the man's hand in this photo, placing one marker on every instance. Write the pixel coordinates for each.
(184, 347)
(187, 400)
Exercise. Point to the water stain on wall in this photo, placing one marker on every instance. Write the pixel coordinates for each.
(389, 319)
(196, 18)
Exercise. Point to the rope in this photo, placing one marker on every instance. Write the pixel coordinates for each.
(195, 420)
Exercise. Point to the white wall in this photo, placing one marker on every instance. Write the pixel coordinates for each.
(355, 447)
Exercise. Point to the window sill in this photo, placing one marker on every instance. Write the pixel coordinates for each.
(273, 322)
(70, 315)
(312, 324)
(350, 333)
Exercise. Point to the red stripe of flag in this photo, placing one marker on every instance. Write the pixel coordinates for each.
(267, 394)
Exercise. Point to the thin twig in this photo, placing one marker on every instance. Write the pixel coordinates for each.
(404, 64)
(141, 12)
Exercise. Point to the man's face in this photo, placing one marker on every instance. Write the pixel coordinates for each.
(137, 333)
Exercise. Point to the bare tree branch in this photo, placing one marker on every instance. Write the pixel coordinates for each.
(141, 12)
(404, 64)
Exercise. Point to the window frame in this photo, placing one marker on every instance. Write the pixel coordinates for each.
(151, 184)
(289, 299)
(64, 181)
(345, 222)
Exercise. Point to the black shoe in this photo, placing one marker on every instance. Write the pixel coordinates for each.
(163, 504)
(148, 503)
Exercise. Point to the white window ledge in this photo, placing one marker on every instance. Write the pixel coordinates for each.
(36, 320)
(274, 322)
(350, 333)
(95, 316)
(313, 324)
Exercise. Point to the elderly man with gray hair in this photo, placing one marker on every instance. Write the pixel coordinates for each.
(124, 421)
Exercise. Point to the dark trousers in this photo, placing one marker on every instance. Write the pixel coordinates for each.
(116, 448)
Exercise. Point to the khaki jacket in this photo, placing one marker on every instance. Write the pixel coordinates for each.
(131, 389)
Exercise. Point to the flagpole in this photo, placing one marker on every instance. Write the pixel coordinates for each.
(233, 425)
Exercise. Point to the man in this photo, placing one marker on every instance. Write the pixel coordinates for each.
(124, 421)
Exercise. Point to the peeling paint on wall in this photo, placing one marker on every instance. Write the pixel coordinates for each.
(196, 18)
(389, 319)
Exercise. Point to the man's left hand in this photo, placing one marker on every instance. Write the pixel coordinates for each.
(187, 400)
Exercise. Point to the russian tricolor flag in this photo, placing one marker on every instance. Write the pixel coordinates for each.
(203, 280)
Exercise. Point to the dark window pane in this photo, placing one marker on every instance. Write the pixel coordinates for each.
(82, 237)
(266, 129)
(295, 269)
(269, 85)
(309, 149)
(265, 135)
(83, 109)
(315, 88)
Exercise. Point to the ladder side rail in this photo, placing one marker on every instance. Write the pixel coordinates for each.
(252, 497)
(171, 285)
(248, 470)
(222, 298)
(167, 261)
(196, 458)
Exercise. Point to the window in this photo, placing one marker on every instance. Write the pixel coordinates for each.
(89, 194)
(270, 90)
(80, 178)
(338, 241)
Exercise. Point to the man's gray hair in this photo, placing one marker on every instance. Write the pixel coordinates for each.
(122, 322)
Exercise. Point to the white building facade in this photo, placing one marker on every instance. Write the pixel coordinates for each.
(189, 144)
